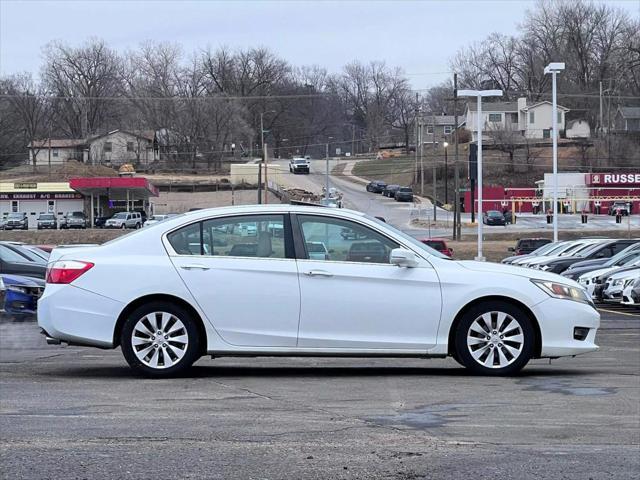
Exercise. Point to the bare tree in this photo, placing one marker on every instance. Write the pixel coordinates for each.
(85, 79)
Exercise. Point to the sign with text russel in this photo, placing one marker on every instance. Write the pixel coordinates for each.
(614, 179)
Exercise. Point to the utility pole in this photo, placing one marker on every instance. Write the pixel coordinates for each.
(326, 179)
(456, 173)
(601, 121)
(420, 137)
(353, 140)
(415, 166)
(262, 159)
(446, 175)
(266, 169)
(435, 166)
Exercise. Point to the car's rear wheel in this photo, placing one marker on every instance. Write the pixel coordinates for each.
(160, 340)
(494, 338)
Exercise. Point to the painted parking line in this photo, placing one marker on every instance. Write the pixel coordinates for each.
(617, 312)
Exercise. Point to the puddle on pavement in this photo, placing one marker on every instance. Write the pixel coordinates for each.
(429, 416)
(565, 387)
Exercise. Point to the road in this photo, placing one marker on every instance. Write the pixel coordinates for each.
(399, 214)
(79, 413)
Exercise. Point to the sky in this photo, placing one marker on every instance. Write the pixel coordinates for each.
(418, 36)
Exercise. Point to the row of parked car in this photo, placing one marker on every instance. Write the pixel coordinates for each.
(135, 219)
(608, 269)
(22, 273)
(397, 192)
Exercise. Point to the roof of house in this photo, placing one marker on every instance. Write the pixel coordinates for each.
(572, 123)
(494, 106)
(146, 134)
(430, 119)
(535, 105)
(57, 143)
(630, 112)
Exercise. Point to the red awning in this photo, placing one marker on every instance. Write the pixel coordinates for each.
(138, 187)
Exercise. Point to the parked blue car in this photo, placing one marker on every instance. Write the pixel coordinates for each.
(21, 295)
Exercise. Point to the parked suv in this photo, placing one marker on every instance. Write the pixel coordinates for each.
(47, 220)
(528, 245)
(73, 220)
(17, 220)
(404, 194)
(624, 207)
(125, 220)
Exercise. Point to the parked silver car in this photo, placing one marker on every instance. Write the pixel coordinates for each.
(73, 220)
(125, 220)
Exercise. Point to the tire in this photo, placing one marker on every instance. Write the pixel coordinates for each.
(513, 339)
(170, 358)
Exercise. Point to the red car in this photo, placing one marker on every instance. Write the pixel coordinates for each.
(438, 244)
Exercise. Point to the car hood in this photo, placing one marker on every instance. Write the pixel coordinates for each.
(490, 267)
(588, 263)
(22, 281)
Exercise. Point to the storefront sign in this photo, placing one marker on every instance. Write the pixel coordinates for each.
(40, 196)
(25, 186)
(615, 179)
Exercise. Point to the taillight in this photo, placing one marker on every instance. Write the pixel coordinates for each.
(66, 271)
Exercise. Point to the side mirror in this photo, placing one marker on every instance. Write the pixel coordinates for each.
(511, 249)
(403, 258)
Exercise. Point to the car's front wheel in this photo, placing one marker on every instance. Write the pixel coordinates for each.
(160, 340)
(494, 338)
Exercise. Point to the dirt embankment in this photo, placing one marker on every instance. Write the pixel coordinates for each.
(465, 250)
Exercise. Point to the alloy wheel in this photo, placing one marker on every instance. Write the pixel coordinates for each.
(159, 340)
(495, 339)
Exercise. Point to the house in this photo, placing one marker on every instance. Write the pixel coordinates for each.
(578, 129)
(532, 121)
(444, 126)
(120, 146)
(56, 151)
(113, 148)
(627, 119)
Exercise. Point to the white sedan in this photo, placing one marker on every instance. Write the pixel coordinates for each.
(194, 285)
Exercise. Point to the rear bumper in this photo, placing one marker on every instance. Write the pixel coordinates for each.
(74, 315)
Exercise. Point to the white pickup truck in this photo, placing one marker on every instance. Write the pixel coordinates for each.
(299, 165)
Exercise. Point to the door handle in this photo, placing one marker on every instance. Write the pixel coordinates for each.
(194, 267)
(319, 273)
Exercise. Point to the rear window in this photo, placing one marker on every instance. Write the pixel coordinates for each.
(405, 190)
(47, 216)
(435, 244)
(77, 214)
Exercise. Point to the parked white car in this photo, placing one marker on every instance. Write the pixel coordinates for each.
(153, 219)
(125, 220)
(631, 294)
(617, 282)
(380, 293)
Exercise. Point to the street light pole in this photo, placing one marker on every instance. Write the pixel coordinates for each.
(326, 179)
(554, 68)
(479, 94)
(446, 175)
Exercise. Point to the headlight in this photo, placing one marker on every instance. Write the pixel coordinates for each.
(544, 267)
(618, 281)
(16, 288)
(559, 290)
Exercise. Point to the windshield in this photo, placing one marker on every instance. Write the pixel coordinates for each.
(414, 242)
(300, 161)
(47, 216)
(494, 213)
(27, 254)
(589, 250)
(14, 216)
(120, 216)
(77, 214)
(544, 249)
(580, 247)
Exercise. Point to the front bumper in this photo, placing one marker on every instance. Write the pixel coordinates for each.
(75, 315)
(558, 318)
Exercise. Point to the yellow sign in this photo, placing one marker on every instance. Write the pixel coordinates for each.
(25, 186)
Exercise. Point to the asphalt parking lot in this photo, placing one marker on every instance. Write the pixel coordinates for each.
(79, 413)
